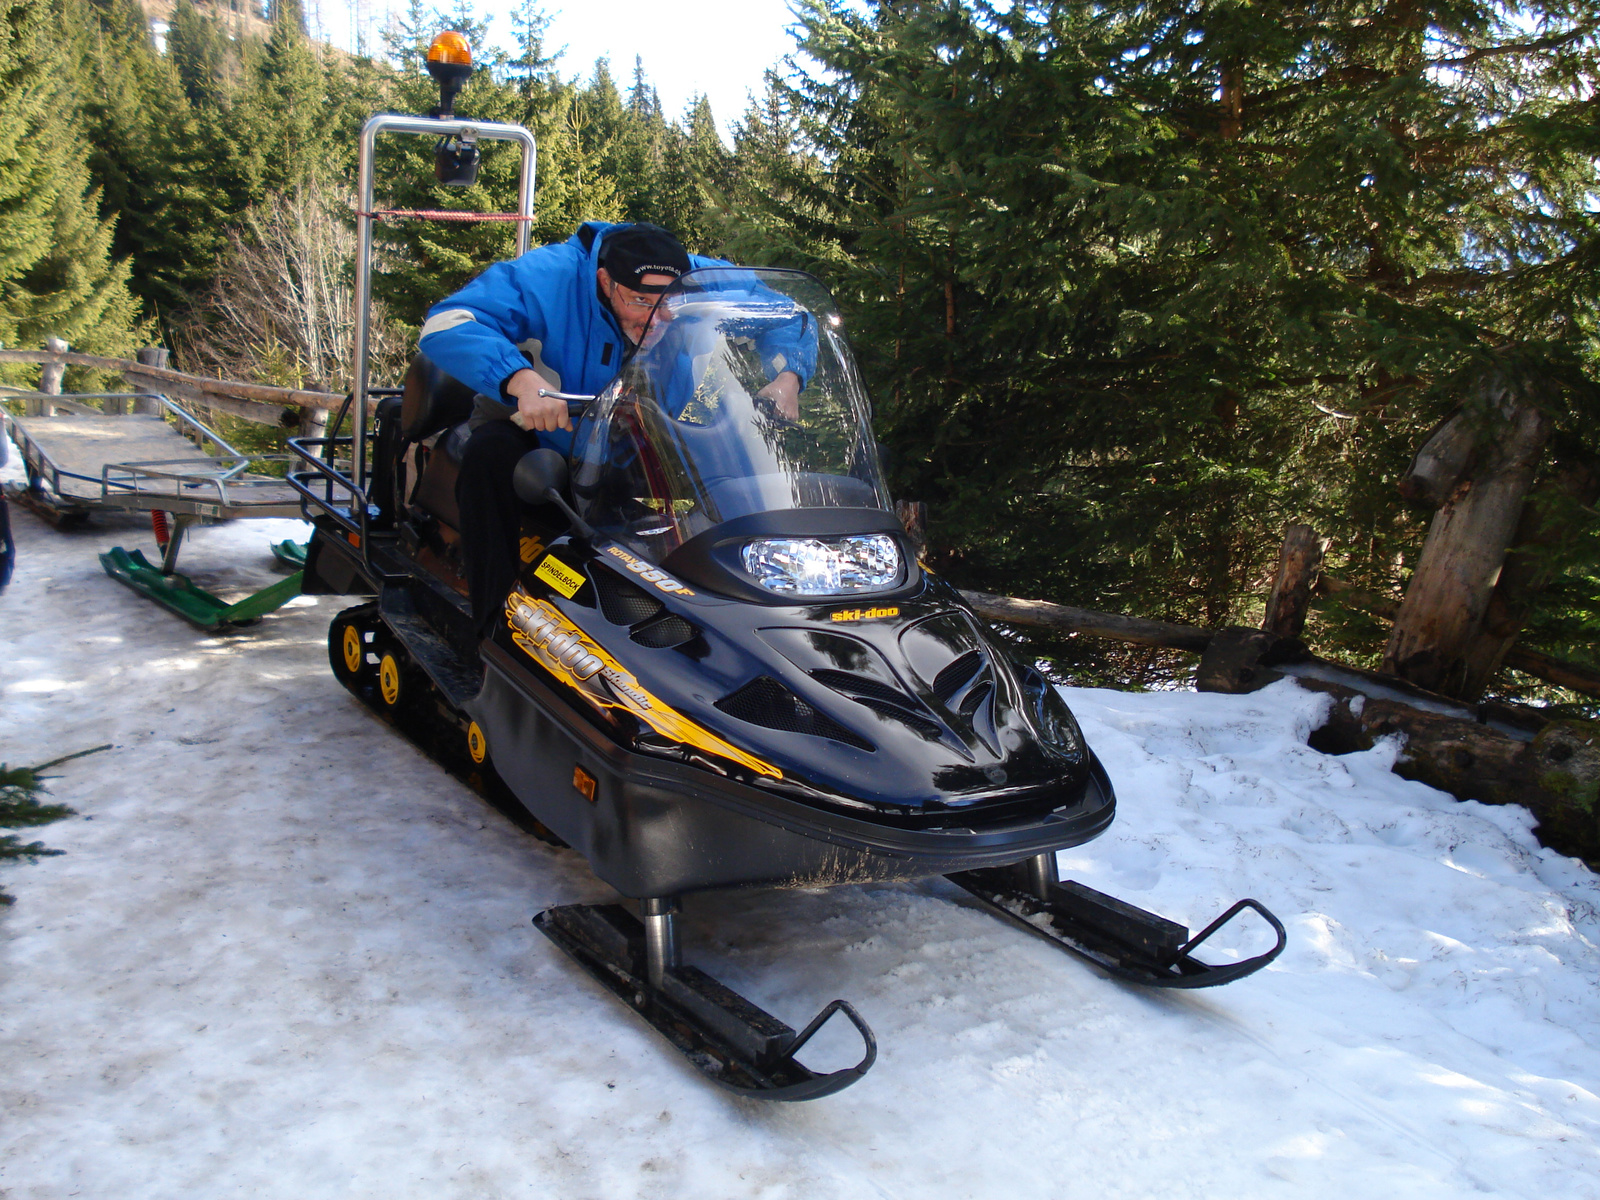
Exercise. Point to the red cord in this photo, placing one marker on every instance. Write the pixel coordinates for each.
(440, 214)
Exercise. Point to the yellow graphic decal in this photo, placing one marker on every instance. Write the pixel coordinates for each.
(555, 643)
(529, 549)
(560, 576)
(863, 614)
(649, 574)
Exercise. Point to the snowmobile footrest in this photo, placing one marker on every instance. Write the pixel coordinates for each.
(1124, 941)
(728, 1039)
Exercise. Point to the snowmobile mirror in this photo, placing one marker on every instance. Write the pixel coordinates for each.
(539, 473)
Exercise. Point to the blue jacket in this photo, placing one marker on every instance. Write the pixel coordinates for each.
(545, 308)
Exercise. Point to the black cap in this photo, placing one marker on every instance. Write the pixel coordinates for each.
(629, 252)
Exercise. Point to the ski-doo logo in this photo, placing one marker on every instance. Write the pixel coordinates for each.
(564, 649)
(560, 576)
(555, 643)
(649, 574)
(863, 614)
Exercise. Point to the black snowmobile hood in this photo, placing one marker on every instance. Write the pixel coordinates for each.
(902, 703)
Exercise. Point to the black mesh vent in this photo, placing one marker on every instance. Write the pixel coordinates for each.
(670, 631)
(622, 602)
(923, 725)
(858, 686)
(975, 699)
(768, 703)
(957, 675)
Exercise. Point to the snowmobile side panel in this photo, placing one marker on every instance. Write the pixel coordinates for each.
(333, 567)
(656, 827)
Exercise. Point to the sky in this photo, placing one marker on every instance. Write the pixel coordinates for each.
(719, 47)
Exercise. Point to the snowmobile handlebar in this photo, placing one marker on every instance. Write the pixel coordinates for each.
(576, 401)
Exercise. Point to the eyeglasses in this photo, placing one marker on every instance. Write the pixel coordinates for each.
(618, 292)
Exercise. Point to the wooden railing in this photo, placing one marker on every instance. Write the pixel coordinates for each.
(266, 405)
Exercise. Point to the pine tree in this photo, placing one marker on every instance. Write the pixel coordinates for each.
(1137, 283)
(282, 115)
(571, 187)
(153, 160)
(198, 50)
(57, 274)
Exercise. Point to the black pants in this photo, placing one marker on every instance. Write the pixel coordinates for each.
(491, 515)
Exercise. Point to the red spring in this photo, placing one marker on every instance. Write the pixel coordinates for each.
(158, 522)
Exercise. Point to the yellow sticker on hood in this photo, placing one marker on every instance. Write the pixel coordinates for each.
(559, 576)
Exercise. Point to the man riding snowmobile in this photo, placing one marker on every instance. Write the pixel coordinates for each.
(559, 319)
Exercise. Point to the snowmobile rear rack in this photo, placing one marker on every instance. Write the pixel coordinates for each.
(729, 1040)
(78, 462)
(1126, 942)
(84, 459)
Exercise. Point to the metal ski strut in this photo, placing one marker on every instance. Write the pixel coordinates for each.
(1124, 941)
(729, 1040)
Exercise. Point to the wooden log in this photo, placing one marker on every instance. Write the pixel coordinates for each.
(1299, 565)
(1555, 773)
(1239, 659)
(1548, 523)
(49, 379)
(167, 380)
(1466, 546)
(1062, 618)
(1573, 676)
(1444, 459)
(249, 410)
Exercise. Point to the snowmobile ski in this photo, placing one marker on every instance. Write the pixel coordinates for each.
(729, 1040)
(290, 553)
(1122, 940)
(180, 594)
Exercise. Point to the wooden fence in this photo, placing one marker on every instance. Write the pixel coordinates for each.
(292, 408)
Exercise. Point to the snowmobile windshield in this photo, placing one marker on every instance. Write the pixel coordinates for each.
(742, 399)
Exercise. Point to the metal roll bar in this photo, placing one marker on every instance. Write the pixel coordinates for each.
(432, 127)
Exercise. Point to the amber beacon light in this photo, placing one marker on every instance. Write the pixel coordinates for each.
(450, 64)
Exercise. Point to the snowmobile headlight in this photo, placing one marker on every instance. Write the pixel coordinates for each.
(823, 566)
(1058, 728)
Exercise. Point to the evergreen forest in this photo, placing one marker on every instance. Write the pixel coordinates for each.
(1134, 284)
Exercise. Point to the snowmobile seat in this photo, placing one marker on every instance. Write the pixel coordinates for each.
(432, 401)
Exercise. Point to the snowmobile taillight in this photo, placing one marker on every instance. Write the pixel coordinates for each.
(824, 566)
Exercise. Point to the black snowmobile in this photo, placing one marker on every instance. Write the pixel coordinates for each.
(722, 664)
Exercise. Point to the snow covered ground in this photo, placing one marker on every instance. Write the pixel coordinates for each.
(287, 956)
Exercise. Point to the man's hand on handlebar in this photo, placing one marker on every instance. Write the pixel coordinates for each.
(784, 393)
(543, 414)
